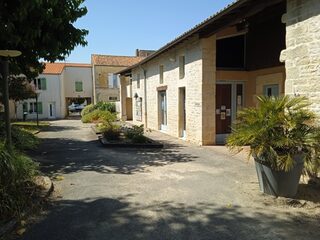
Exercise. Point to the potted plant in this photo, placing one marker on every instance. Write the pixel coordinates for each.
(281, 133)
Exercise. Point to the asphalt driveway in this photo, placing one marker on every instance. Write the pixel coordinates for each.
(180, 192)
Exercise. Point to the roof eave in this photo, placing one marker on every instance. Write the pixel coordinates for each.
(194, 30)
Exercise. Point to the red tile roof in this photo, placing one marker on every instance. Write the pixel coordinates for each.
(109, 60)
(57, 68)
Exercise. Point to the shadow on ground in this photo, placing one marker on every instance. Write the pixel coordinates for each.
(108, 218)
(59, 128)
(58, 156)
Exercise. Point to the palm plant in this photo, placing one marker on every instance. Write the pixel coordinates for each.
(277, 131)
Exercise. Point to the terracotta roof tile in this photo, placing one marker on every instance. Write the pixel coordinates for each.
(109, 60)
(57, 68)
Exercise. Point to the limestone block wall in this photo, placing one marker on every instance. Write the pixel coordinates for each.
(302, 55)
(100, 77)
(208, 47)
(192, 82)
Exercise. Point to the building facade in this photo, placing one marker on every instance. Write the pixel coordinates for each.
(105, 82)
(193, 87)
(57, 87)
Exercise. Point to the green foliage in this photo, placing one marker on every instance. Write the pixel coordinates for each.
(42, 31)
(87, 109)
(136, 134)
(275, 131)
(312, 166)
(103, 106)
(106, 106)
(20, 89)
(97, 116)
(16, 181)
(21, 138)
(111, 132)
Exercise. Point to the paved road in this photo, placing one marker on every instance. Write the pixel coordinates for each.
(179, 192)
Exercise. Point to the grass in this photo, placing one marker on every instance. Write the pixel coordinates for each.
(31, 126)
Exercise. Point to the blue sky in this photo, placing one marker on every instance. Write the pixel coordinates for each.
(119, 27)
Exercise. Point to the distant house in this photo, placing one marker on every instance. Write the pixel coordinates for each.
(105, 81)
(60, 85)
(193, 86)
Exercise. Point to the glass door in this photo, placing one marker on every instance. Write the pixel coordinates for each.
(163, 110)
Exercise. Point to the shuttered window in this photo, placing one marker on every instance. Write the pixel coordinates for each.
(79, 86)
(39, 107)
(34, 108)
(181, 67)
(40, 83)
(161, 70)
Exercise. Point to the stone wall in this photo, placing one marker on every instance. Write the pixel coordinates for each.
(100, 77)
(192, 82)
(302, 55)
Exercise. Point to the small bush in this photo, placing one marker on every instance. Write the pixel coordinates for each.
(21, 138)
(136, 134)
(87, 109)
(106, 106)
(99, 116)
(111, 132)
(103, 106)
(16, 177)
(139, 139)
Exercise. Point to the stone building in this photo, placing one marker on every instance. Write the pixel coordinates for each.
(105, 82)
(193, 86)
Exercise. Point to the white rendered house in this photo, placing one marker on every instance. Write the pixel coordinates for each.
(57, 87)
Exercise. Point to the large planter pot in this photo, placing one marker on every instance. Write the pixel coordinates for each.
(280, 183)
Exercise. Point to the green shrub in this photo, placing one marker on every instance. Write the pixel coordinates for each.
(103, 106)
(99, 116)
(111, 132)
(277, 130)
(16, 182)
(139, 139)
(21, 138)
(136, 134)
(87, 109)
(106, 106)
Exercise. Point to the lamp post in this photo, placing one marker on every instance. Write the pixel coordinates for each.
(5, 54)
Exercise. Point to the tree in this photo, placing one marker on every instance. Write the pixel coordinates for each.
(42, 30)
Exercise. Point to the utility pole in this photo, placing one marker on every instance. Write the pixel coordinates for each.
(5, 54)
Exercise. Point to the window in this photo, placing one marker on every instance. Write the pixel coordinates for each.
(113, 98)
(34, 108)
(161, 70)
(79, 86)
(113, 80)
(181, 67)
(40, 83)
(271, 90)
(25, 107)
(138, 80)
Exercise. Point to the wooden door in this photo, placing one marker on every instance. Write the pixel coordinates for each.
(129, 108)
(223, 108)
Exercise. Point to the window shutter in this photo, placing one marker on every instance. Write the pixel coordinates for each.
(79, 87)
(110, 80)
(25, 107)
(43, 84)
(39, 108)
(181, 67)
